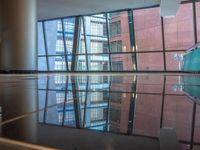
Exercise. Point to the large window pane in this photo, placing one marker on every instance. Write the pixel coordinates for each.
(96, 34)
(57, 63)
(41, 47)
(119, 32)
(150, 61)
(55, 45)
(179, 30)
(69, 24)
(148, 29)
(42, 64)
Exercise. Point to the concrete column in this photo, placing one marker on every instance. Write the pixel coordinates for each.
(0, 24)
(18, 50)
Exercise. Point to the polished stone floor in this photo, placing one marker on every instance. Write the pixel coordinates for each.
(100, 111)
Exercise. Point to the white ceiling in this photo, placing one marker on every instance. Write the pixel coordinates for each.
(48, 9)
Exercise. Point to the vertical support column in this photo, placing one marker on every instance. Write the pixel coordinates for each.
(76, 104)
(195, 21)
(86, 100)
(75, 42)
(132, 107)
(86, 45)
(108, 35)
(163, 42)
(108, 110)
(0, 24)
(46, 100)
(163, 102)
(65, 101)
(45, 44)
(18, 51)
(132, 38)
(64, 43)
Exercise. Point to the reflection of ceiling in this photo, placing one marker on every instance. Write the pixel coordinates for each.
(169, 7)
(61, 8)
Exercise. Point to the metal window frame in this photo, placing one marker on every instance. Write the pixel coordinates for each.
(64, 43)
(86, 45)
(45, 44)
(76, 41)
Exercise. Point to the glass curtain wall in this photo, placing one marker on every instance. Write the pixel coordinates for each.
(132, 40)
(93, 47)
(55, 42)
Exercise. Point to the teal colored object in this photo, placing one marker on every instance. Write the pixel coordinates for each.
(192, 61)
(192, 86)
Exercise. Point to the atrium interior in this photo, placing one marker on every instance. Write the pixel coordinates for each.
(108, 75)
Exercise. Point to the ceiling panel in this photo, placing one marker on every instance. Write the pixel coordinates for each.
(48, 9)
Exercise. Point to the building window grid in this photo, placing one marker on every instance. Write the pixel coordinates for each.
(115, 28)
(59, 26)
(69, 45)
(60, 64)
(116, 46)
(72, 26)
(59, 46)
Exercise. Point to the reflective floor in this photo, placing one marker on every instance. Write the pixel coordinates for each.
(42, 108)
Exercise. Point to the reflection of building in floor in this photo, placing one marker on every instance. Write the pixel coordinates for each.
(114, 104)
(191, 59)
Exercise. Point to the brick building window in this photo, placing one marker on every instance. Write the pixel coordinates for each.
(116, 46)
(115, 28)
(117, 66)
